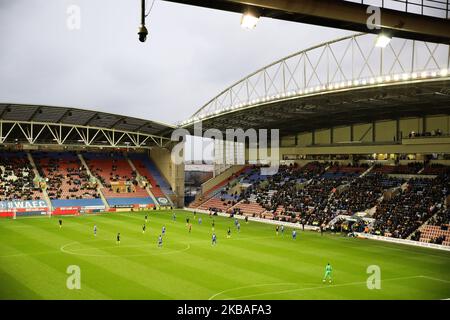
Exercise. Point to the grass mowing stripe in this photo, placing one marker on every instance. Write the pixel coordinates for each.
(255, 260)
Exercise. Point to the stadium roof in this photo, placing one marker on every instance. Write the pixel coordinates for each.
(340, 82)
(81, 117)
(419, 20)
(339, 108)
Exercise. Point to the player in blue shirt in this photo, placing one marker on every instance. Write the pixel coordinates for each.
(200, 220)
(163, 231)
(214, 239)
(174, 216)
(239, 227)
(294, 234)
(282, 229)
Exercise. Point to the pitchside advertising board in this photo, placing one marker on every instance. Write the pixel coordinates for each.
(23, 208)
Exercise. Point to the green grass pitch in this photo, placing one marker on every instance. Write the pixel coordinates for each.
(255, 264)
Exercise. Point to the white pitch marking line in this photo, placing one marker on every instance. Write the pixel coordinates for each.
(63, 249)
(313, 288)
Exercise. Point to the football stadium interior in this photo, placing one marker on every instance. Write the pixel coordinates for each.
(363, 174)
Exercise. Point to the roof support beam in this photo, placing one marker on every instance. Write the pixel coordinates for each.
(80, 135)
(339, 14)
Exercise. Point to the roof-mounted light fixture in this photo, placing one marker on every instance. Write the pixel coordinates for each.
(382, 40)
(249, 19)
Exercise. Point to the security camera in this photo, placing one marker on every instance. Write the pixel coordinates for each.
(143, 32)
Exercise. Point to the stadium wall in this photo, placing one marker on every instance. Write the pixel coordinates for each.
(174, 174)
(388, 130)
(381, 137)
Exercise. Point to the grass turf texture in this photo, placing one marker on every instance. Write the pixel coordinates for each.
(255, 264)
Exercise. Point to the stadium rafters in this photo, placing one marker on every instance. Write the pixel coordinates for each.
(349, 66)
(420, 20)
(61, 126)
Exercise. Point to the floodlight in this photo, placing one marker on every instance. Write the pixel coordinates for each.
(249, 20)
(382, 40)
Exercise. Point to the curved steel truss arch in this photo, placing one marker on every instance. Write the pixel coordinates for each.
(346, 63)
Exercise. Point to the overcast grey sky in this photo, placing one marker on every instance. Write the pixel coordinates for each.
(191, 54)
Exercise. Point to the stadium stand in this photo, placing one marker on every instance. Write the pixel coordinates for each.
(65, 176)
(317, 193)
(17, 178)
(118, 179)
(159, 186)
(401, 215)
(219, 190)
(411, 168)
(364, 193)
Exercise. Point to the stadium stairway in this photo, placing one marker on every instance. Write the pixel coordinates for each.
(215, 189)
(424, 228)
(139, 176)
(367, 171)
(83, 162)
(160, 186)
(99, 183)
(36, 173)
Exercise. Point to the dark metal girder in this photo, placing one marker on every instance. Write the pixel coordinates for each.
(338, 14)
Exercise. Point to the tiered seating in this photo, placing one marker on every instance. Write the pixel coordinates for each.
(65, 176)
(110, 168)
(216, 204)
(337, 171)
(16, 178)
(436, 169)
(279, 211)
(400, 216)
(411, 168)
(363, 193)
(383, 169)
(113, 169)
(151, 172)
(249, 208)
(162, 182)
(220, 187)
(435, 234)
(143, 171)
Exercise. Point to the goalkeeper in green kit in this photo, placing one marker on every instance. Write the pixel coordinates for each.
(327, 275)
